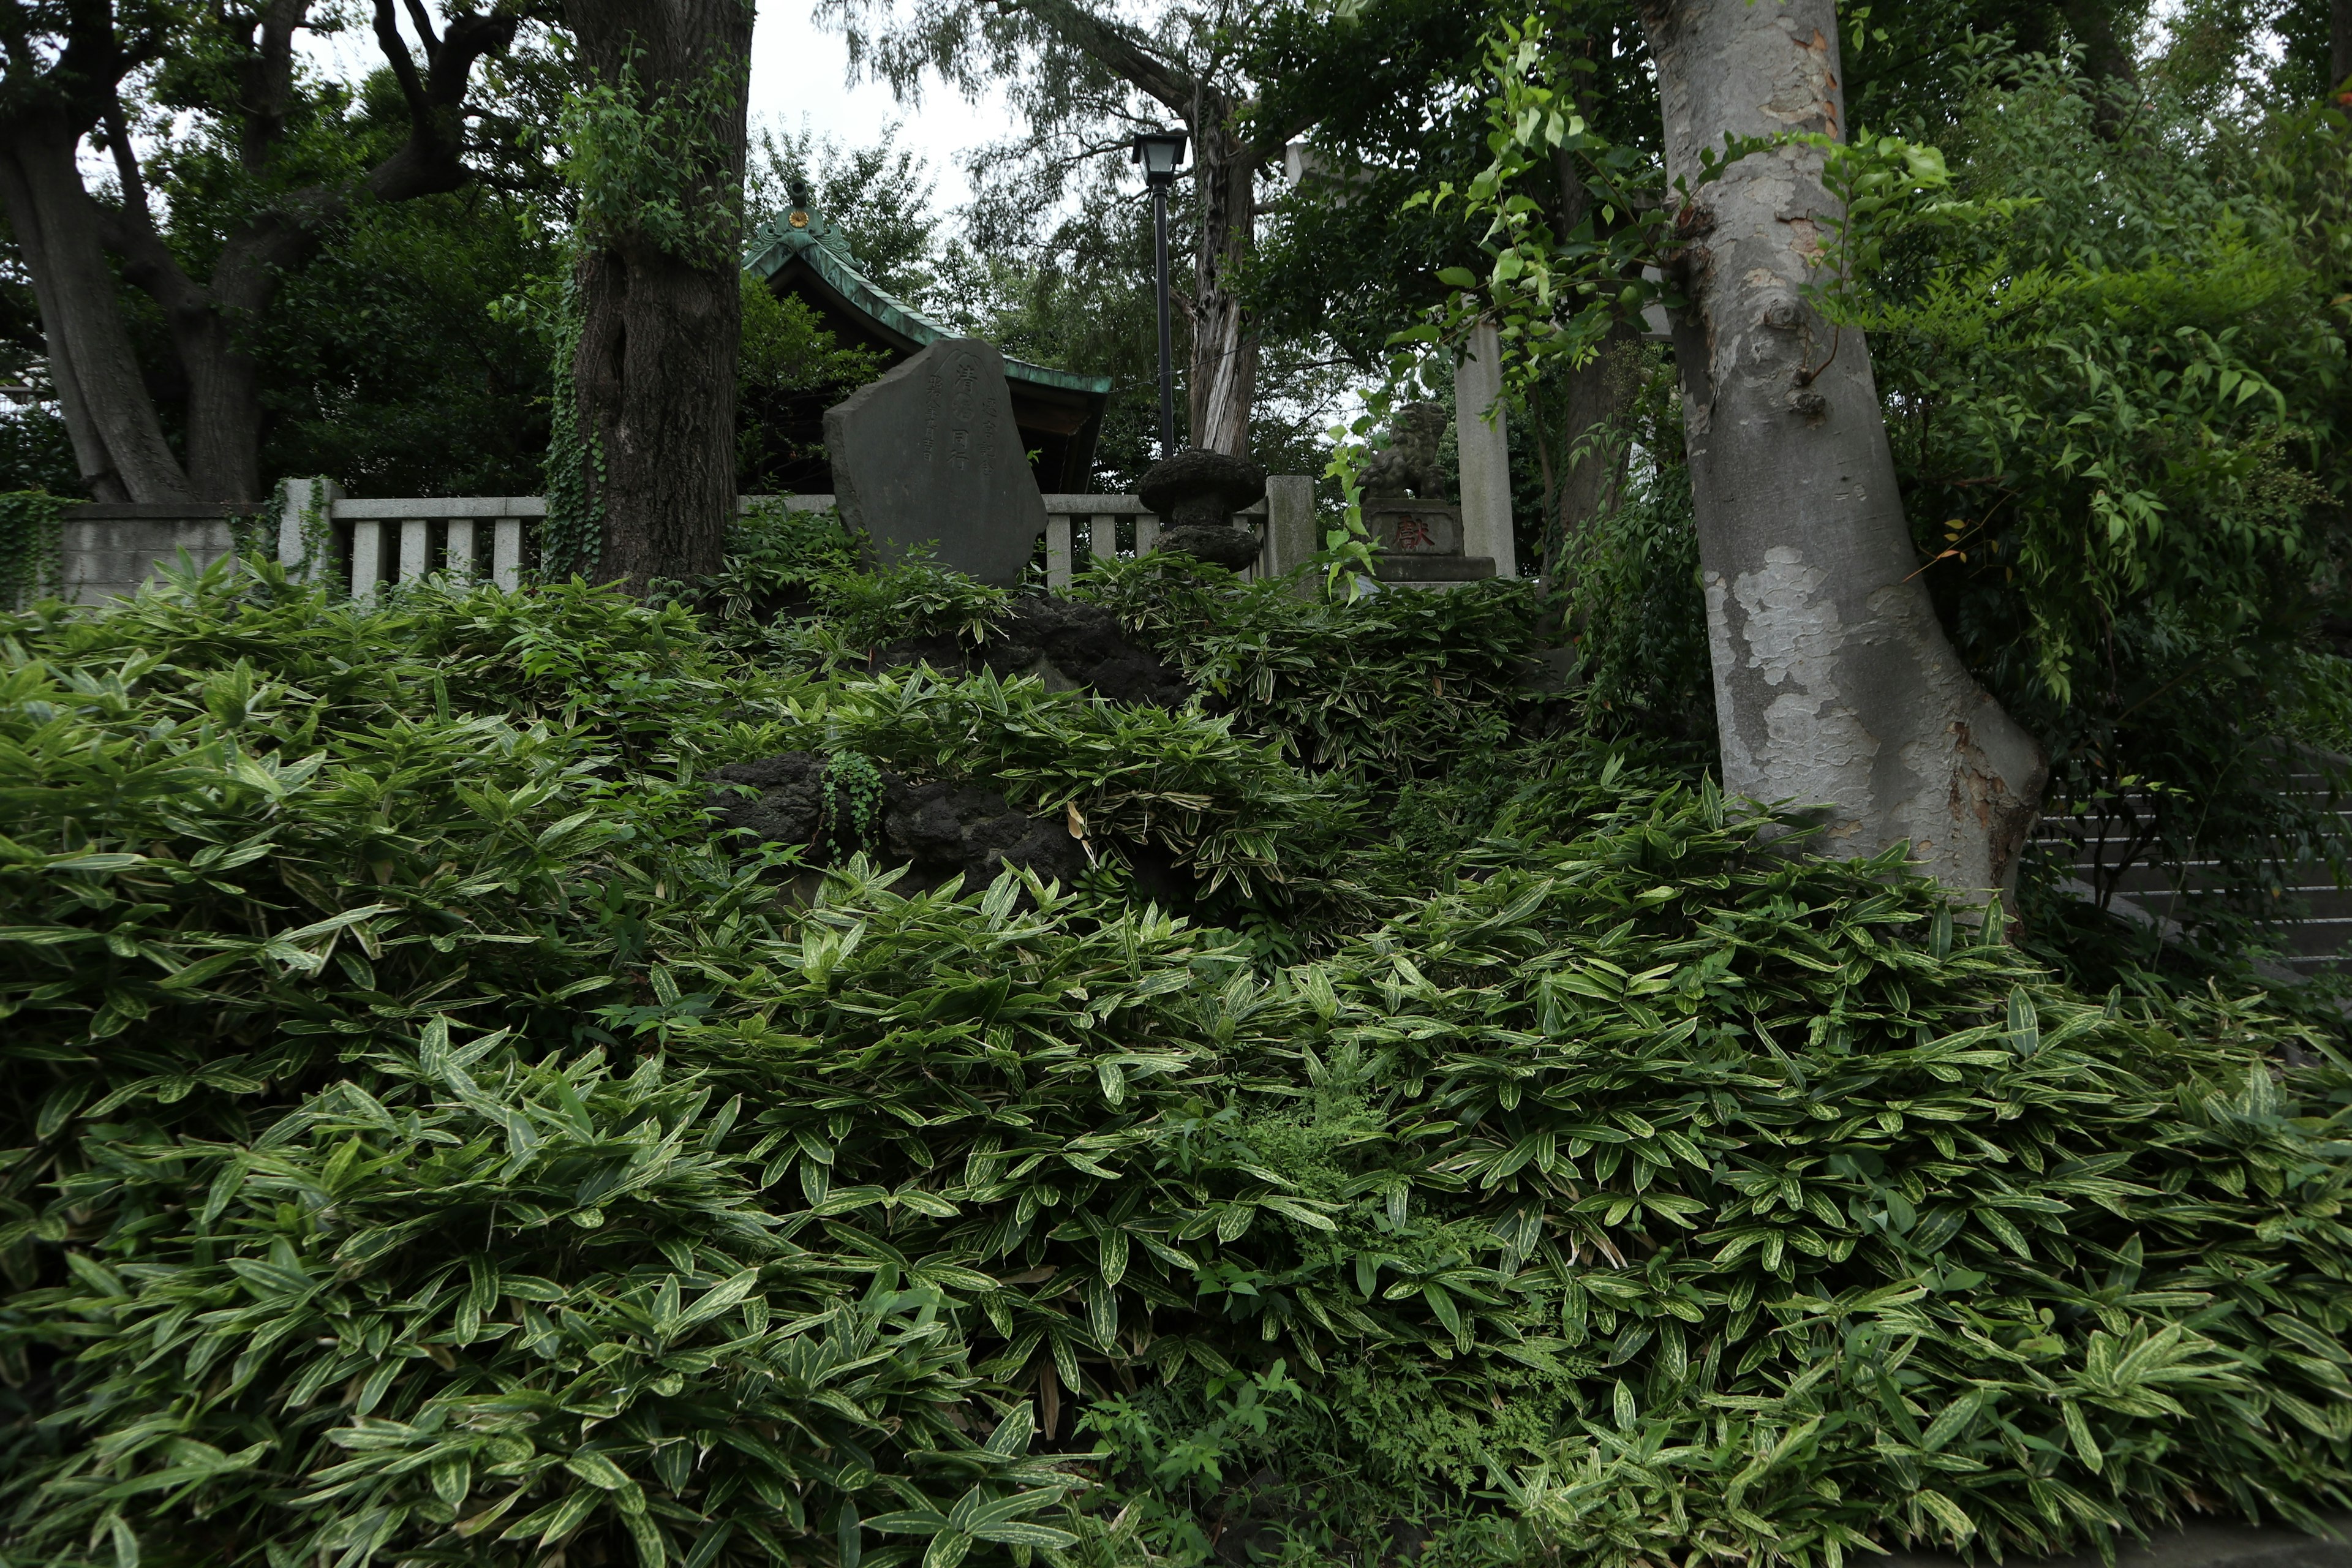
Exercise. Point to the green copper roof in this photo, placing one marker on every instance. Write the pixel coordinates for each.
(802, 235)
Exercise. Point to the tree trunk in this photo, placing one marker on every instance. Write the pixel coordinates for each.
(1835, 686)
(1592, 437)
(654, 371)
(1224, 346)
(2106, 51)
(118, 440)
(1599, 394)
(2339, 43)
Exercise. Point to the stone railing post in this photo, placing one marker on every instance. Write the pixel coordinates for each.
(1289, 522)
(295, 501)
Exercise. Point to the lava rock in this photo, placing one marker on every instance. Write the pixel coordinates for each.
(945, 830)
(790, 807)
(1079, 647)
(1073, 647)
(1196, 489)
(943, 651)
(939, 829)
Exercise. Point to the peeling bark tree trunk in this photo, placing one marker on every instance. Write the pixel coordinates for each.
(1225, 164)
(654, 372)
(1835, 686)
(1225, 346)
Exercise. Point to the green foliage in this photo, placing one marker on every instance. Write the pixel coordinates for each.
(652, 167)
(787, 368)
(774, 554)
(429, 1143)
(572, 532)
(1391, 684)
(2115, 405)
(30, 540)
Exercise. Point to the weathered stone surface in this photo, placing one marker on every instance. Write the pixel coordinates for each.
(940, 829)
(1199, 490)
(1081, 645)
(1415, 527)
(928, 456)
(1230, 547)
(1409, 462)
(1432, 568)
(1072, 645)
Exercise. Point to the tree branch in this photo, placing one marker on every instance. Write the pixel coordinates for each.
(396, 56)
(126, 162)
(422, 20)
(1121, 49)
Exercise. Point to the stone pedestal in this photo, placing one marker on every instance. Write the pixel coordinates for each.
(1422, 542)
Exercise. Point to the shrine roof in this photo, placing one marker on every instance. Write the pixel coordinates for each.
(800, 235)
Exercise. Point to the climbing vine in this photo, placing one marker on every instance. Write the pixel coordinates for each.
(32, 546)
(853, 791)
(572, 535)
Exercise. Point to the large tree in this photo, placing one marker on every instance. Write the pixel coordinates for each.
(644, 476)
(1835, 684)
(69, 66)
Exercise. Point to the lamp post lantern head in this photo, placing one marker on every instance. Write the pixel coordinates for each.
(1159, 151)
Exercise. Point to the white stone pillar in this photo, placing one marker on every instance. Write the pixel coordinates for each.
(1486, 450)
(1290, 539)
(295, 497)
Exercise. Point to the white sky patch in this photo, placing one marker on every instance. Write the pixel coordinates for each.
(800, 75)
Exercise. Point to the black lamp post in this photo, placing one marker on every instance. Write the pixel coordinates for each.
(1159, 152)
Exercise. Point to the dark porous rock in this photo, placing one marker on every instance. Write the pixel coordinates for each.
(945, 829)
(943, 651)
(937, 828)
(790, 807)
(1232, 548)
(1077, 647)
(1196, 489)
(928, 456)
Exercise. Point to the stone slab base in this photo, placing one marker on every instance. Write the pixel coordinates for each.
(1418, 570)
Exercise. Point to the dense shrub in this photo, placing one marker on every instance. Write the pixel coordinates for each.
(427, 1142)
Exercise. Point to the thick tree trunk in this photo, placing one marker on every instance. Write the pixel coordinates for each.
(1592, 437)
(2339, 42)
(653, 374)
(118, 440)
(1225, 346)
(655, 378)
(1835, 686)
(66, 234)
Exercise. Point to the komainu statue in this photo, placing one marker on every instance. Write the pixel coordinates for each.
(1408, 464)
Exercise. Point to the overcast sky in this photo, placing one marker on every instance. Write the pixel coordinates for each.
(799, 72)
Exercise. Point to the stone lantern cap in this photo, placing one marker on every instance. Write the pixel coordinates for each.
(1200, 489)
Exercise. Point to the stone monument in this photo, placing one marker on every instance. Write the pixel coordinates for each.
(928, 456)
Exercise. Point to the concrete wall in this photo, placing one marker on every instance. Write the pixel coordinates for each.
(109, 549)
